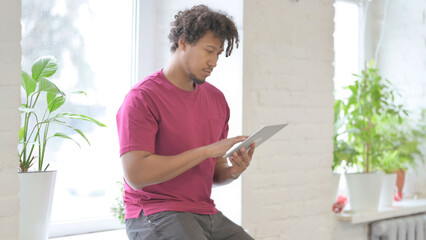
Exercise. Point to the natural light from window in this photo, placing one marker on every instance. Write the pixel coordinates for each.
(347, 54)
(346, 46)
(92, 41)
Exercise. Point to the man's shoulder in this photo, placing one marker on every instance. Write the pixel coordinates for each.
(145, 90)
(214, 91)
(150, 82)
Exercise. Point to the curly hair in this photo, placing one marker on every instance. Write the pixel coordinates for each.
(192, 24)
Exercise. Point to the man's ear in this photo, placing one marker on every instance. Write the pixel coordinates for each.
(182, 42)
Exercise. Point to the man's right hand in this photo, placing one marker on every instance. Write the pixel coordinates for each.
(219, 149)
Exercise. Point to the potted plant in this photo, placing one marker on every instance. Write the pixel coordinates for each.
(359, 147)
(401, 143)
(38, 116)
(118, 208)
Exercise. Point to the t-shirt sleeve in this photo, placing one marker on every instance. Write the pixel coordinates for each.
(137, 124)
(225, 129)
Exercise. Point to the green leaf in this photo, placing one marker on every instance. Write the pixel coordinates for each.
(46, 167)
(82, 135)
(21, 133)
(44, 67)
(49, 87)
(56, 103)
(28, 83)
(50, 97)
(80, 117)
(79, 92)
(62, 135)
(73, 128)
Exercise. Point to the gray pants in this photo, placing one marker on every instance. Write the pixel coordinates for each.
(184, 226)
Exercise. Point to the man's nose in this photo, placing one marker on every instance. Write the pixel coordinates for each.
(212, 62)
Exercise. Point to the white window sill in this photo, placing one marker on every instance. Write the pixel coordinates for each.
(106, 235)
(399, 209)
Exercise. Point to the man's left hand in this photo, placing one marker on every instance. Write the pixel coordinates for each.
(240, 161)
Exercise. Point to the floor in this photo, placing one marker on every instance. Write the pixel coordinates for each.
(107, 235)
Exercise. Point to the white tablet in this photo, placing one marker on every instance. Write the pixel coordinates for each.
(260, 136)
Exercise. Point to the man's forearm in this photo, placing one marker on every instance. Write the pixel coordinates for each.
(143, 168)
(154, 169)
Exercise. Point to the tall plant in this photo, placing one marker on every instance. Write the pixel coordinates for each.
(360, 121)
(38, 117)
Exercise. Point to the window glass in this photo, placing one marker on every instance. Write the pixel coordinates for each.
(346, 45)
(92, 41)
(347, 52)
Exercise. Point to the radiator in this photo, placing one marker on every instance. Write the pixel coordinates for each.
(403, 228)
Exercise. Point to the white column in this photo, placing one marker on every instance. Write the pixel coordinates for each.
(10, 75)
(288, 76)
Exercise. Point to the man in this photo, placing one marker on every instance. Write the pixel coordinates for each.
(173, 130)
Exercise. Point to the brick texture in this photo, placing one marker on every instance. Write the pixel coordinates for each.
(288, 77)
(10, 61)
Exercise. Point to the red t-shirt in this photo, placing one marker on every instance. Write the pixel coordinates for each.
(160, 118)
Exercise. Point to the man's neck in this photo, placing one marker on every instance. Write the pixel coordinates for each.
(178, 77)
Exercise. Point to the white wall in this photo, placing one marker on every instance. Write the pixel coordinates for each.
(288, 76)
(10, 75)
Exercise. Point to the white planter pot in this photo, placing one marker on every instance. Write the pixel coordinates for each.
(388, 190)
(364, 191)
(36, 196)
(335, 186)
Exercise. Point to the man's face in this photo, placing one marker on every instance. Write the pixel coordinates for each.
(201, 57)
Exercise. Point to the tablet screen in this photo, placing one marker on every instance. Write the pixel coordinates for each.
(259, 137)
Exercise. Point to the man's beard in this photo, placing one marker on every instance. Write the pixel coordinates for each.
(196, 80)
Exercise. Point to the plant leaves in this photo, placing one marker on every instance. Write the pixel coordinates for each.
(46, 167)
(79, 92)
(82, 135)
(28, 83)
(48, 86)
(21, 133)
(79, 116)
(50, 96)
(44, 67)
(73, 128)
(56, 103)
(62, 135)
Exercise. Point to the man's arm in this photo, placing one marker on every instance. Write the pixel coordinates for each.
(224, 174)
(143, 168)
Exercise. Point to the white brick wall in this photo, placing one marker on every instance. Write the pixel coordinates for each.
(10, 65)
(288, 76)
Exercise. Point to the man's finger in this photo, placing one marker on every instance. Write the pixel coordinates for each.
(239, 138)
(234, 162)
(251, 151)
(245, 157)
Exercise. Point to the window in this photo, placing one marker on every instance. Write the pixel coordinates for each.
(348, 53)
(346, 45)
(92, 41)
(96, 44)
